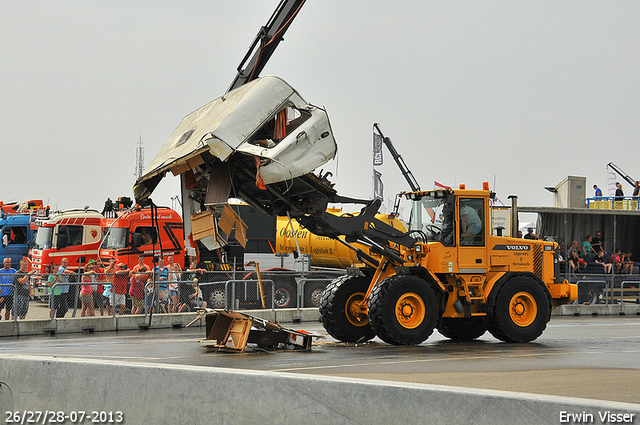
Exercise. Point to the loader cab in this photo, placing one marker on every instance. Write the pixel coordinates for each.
(472, 217)
(455, 219)
(432, 213)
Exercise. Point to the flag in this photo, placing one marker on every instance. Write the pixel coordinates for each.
(377, 149)
(496, 202)
(378, 187)
(437, 185)
(611, 177)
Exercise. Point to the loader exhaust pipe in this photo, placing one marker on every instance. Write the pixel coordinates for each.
(514, 215)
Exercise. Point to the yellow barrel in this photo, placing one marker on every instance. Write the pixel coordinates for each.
(325, 252)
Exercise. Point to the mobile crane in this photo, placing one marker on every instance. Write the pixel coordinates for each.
(622, 174)
(261, 142)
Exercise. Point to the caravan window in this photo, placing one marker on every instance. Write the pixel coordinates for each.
(285, 122)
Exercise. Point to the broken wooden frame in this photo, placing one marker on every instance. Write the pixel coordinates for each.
(231, 331)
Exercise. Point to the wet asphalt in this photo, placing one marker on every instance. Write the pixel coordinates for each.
(588, 357)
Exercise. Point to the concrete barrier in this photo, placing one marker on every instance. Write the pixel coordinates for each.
(94, 324)
(168, 394)
(284, 315)
(600, 310)
(128, 322)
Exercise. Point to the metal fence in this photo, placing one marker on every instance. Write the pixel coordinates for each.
(241, 290)
(232, 290)
(598, 288)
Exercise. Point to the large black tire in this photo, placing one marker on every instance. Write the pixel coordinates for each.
(337, 309)
(403, 310)
(463, 329)
(521, 311)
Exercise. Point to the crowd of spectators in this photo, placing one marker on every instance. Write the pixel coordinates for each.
(105, 288)
(591, 257)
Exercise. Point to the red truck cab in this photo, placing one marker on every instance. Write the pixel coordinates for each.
(133, 233)
(71, 234)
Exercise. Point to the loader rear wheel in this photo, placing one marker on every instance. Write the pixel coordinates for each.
(521, 312)
(340, 312)
(463, 329)
(403, 310)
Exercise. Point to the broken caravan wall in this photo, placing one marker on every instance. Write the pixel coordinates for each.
(619, 228)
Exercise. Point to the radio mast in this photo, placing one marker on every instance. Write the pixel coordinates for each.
(139, 169)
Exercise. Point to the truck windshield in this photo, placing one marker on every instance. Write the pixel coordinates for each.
(43, 238)
(434, 216)
(116, 238)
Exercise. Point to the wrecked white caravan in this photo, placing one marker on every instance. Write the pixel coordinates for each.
(264, 119)
(259, 142)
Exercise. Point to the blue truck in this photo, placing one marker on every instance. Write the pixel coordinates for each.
(16, 235)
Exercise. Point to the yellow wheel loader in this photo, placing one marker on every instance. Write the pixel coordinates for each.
(453, 274)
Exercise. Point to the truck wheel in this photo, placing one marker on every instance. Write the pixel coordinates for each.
(463, 329)
(284, 296)
(339, 313)
(403, 310)
(521, 311)
(313, 292)
(593, 296)
(217, 298)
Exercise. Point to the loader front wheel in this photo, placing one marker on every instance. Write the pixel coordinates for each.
(463, 329)
(403, 310)
(521, 312)
(339, 309)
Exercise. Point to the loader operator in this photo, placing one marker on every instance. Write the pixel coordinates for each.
(470, 222)
(448, 228)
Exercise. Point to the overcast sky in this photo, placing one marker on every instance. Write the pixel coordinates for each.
(517, 93)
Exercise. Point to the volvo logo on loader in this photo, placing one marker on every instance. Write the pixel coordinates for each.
(512, 248)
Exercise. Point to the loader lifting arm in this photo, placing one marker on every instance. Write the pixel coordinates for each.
(363, 228)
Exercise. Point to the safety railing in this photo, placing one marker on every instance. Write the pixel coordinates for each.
(605, 288)
(311, 295)
(635, 290)
(5, 301)
(219, 289)
(251, 294)
(57, 302)
(614, 203)
(590, 290)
